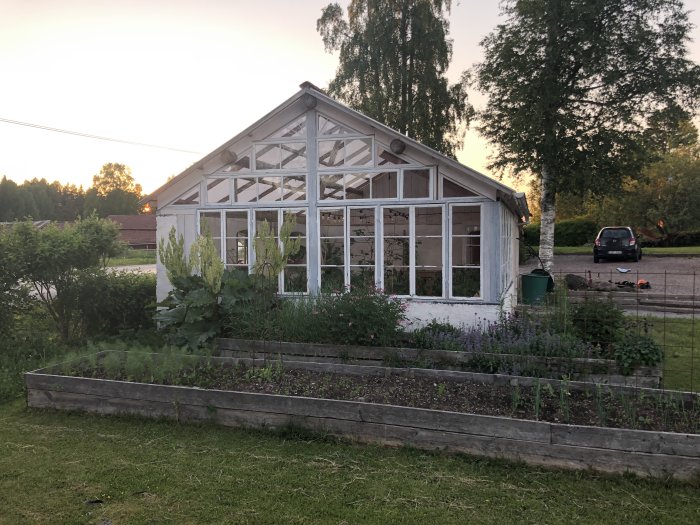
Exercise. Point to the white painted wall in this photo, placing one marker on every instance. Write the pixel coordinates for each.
(420, 313)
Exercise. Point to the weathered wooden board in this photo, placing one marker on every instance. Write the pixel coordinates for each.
(383, 431)
(252, 349)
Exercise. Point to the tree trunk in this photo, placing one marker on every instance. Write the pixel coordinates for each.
(547, 209)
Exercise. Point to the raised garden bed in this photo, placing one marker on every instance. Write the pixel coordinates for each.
(551, 443)
(602, 371)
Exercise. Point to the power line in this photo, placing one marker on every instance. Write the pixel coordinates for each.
(97, 137)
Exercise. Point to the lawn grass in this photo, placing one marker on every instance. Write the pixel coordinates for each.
(680, 338)
(588, 250)
(60, 467)
(133, 257)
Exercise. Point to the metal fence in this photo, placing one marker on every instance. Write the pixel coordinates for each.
(664, 305)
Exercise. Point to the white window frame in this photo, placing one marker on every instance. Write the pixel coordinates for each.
(450, 267)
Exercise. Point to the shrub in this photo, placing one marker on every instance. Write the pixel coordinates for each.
(363, 316)
(568, 232)
(436, 335)
(600, 323)
(637, 350)
(575, 232)
(113, 302)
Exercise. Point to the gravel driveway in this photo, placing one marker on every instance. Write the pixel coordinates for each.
(667, 275)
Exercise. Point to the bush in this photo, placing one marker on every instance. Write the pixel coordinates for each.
(637, 350)
(599, 323)
(110, 303)
(680, 239)
(569, 232)
(575, 232)
(436, 336)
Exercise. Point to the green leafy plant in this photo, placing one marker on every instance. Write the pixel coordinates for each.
(635, 350)
(598, 322)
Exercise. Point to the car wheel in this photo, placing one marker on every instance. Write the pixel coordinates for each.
(636, 257)
(595, 259)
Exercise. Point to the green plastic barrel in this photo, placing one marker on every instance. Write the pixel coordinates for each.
(534, 287)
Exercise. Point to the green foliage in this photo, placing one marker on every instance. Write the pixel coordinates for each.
(598, 322)
(52, 259)
(559, 110)
(393, 58)
(271, 255)
(568, 232)
(635, 349)
(361, 316)
(436, 336)
(111, 303)
(172, 256)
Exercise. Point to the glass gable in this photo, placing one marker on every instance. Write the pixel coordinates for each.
(327, 127)
(295, 129)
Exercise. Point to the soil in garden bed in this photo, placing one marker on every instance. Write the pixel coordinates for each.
(597, 407)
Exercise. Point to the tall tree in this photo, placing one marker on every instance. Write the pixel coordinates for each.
(115, 176)
(394, 55)
(571, 84)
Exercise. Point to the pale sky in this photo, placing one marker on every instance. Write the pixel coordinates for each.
(178, 73)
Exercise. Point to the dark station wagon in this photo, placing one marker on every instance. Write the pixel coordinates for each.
(616, 242)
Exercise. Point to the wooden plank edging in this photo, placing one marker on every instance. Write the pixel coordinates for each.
(644, 452)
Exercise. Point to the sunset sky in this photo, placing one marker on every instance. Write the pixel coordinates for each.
(182, 74)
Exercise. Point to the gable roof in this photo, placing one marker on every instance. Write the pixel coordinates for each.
(308, 95)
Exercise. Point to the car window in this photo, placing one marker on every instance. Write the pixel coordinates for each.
(618, 233)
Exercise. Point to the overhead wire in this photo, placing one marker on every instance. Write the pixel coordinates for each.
(96, 137)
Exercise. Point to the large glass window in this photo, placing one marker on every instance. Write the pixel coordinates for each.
(416, 183)
(350, 186)
(397, 258)
(211, 222)
(294, 278)
(428, 251)
(237, 240)
(332, 248)
(219, 191)
(361, 237)
(286, 155)
(345, 152)
(269, 188)
(466, 251)
(188, 198)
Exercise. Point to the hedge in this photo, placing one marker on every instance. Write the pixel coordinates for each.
(569, 232)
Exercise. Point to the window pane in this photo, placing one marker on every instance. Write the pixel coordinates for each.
(395, 221)
(428, 221)
(269, 189)
(191, 197)
(429, 282)
(396, 251)
(357, 186)
(465, 282)
(331, 153)
(396, 281)
(362, 250)
(218, 191)
(242, 164)
(332, 279)
(362, 221)
(237, 250)
(266, 216)
(331, 187)
(295, 279)
(465, 251)
(466, 220)
(328, 127)
(331, 223)
(358, 152)
(267, 156)
(429, 251)
(294, 188)
(384, 185)
(332, 252)
(245, 190)
(386, 157)
(362, 277)
(293, 156)
(236, 224)
(210, 222)
(452, 189)
(416, 184)
(296, 128)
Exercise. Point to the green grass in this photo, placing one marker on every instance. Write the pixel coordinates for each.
(681, 341)
(588, 250)
(132, 257)
(54, 464)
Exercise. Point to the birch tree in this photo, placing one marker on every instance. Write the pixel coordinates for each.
(571, 86)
